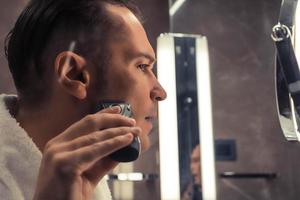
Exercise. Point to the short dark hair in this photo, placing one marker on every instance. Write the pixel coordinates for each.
(44, 24)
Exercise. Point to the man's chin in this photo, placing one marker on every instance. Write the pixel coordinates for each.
(197, 182)
(145, 144)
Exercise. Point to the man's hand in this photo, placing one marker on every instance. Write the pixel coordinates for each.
(76, 160)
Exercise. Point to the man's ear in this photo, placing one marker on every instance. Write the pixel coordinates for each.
(70, 69)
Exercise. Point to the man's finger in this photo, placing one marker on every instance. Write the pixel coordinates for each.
(98, 136)
(95, 122)
(87, 156)
(100, 169)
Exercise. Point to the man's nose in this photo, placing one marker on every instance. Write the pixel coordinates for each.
(158, 93)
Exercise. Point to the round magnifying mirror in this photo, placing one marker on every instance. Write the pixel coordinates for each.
(287, 69)
(285, 107)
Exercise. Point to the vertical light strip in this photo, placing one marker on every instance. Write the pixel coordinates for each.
(208, 171)
(175, 7)
(168, 133)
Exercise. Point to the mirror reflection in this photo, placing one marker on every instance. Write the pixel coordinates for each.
(193, 189)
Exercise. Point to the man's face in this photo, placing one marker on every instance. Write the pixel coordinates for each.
(195, 165)
(129, 73)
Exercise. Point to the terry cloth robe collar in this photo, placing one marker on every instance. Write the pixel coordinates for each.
(20, 160)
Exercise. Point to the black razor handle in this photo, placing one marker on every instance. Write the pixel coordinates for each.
(132, 151)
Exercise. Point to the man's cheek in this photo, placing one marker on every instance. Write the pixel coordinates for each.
(124, 82)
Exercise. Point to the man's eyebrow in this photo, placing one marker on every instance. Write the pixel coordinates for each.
(145, 55)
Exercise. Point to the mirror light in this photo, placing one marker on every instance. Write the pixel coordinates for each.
(205, 121)
(168, 132)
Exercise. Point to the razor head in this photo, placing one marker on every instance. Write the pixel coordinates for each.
(125, 107)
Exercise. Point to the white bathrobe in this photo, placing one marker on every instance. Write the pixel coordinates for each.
(20, 160)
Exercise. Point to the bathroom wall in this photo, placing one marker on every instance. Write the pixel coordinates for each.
(9, 10)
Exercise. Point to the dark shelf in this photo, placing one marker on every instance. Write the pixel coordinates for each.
(235, 175)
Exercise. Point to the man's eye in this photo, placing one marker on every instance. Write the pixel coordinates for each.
(143, 67)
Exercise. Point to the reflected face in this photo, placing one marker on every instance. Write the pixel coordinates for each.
(196, 165)
(130, 72)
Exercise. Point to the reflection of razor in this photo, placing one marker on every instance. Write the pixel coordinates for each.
(132, 151)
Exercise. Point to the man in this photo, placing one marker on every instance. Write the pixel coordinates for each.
(59, 86)
(196, 165)
(193, 189)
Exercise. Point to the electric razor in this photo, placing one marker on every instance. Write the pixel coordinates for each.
(132, 151)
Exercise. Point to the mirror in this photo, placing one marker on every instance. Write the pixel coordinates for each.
(187, 167)
(287, 73)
